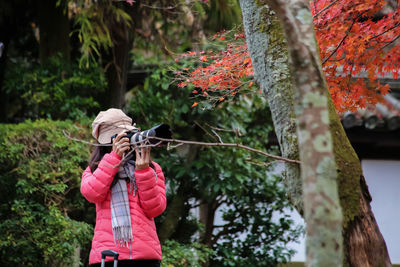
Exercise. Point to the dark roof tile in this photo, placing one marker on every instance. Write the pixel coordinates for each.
(383, 116)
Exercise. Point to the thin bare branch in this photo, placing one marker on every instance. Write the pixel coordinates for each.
(201, 127)
(178, 141)
(389, 43)
(344, 38)
(228, 145)
(169, 146)
(160, 7)
(340, 43)
(219, 137)
(325, 8)
(387, 30)
(68, 135)
(220, 129)
(263, 164)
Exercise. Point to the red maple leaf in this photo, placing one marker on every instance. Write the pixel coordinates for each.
(358, 41)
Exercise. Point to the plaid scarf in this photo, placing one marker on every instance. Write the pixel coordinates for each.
(120, 212)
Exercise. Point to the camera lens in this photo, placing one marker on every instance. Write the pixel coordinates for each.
(161, 131)
(143, 136)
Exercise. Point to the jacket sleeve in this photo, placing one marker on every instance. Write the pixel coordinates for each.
(95, 186)
(151, 190)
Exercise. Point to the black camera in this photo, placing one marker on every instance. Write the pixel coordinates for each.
(160, 131)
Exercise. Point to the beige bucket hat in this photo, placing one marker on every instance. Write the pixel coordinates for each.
(110, 122)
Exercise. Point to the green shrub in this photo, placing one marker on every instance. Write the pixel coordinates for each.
(42, 213)
(179, 255)
(53, 90)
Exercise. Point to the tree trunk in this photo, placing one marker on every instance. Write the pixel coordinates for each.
(119, 59)
(268, 50)
(207, 216)
(322, 211)
(198, 36)
(365, 244)
(4, 96)
(117, 74)
(175, 209)
(54, 30)
(117, 68)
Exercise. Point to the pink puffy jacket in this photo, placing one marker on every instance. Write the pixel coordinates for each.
(149, 202)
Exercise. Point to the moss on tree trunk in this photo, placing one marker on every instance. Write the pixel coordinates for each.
(363, 242)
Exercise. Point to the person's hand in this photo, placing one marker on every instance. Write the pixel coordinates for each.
(142, 158)
(121, 144)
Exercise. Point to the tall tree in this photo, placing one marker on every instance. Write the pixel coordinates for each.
(119, 59)
(363, 244)
(105, 27)
(54, 29)
(322, 211)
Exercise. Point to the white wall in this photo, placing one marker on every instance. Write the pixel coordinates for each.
(383, 179)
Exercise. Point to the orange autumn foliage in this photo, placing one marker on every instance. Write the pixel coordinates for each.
(359, 42)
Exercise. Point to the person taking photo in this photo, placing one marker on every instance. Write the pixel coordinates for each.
(129, 192)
